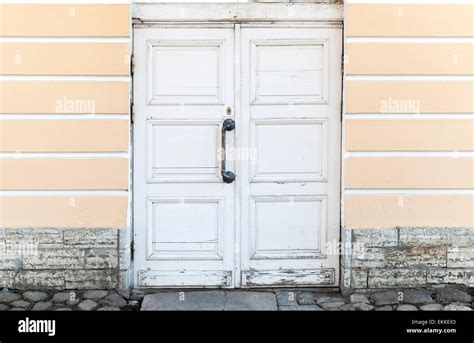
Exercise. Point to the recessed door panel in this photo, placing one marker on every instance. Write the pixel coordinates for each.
(288, 150)
(186, 72)
(287, 227)
(193, 156)
(185, 228)
(285, 71)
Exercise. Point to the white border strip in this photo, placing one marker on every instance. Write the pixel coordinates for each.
(77, 40)
(63, 193)
(389, 116)
(111, 117)
(409, 40)
(66, 2)
(409, 2)
(188, 1)
(64, 78)
(414, 78)
(19, 155)
(409, 192)
(393, 154)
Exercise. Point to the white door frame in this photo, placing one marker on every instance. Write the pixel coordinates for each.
(235, 16)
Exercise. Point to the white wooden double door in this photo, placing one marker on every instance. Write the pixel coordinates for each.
(272, 225)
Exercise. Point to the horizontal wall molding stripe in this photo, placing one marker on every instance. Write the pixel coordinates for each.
(65, 40)
(409, 40)
(409, 97)
(408, 135)
(388, 211)
(48, 2)
(64, 212)
(63, 136)
(64, 59)
(406, 116)
(64, 97)
(104, 20)
(63, 193)
(70, 174)
(406, 59)
(74, 116)
(409, 78)
(417, 20)
(404, 2)
(369, 192)
(403, 172)
(63, 78)
(404, 153)
(62, 155)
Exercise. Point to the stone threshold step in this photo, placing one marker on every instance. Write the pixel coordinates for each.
(210, 301)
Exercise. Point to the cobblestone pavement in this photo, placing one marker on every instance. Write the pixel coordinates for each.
(447, 299)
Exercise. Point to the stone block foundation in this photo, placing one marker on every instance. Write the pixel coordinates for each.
(65, 259)
(408, 258)
(54, 259)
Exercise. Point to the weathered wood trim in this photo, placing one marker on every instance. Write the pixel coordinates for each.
(236, 12)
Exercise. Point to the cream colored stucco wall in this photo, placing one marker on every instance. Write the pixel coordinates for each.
(64, 115)
(408, 120)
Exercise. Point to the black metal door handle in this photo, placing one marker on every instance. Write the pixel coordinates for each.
(227, 125)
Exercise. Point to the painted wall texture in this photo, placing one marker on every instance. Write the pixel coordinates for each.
(408, 115)
(407, 144)
(64, 145)
(65, 133)
(64, 115)
(408, 137)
